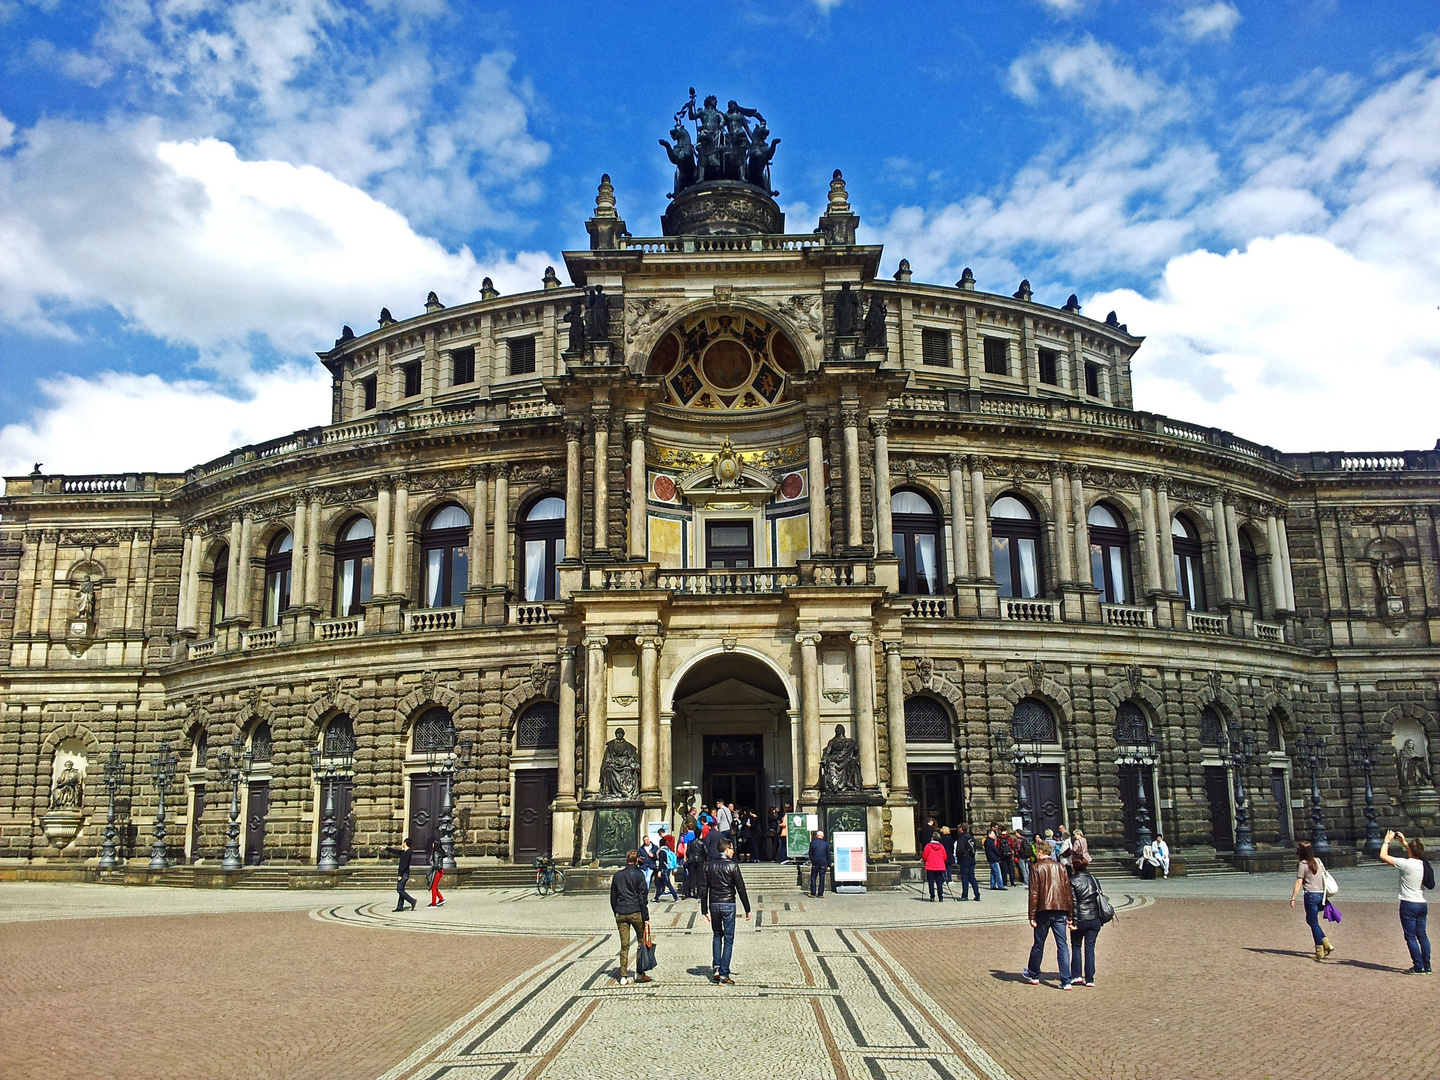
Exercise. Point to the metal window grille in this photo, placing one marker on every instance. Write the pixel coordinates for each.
(926, 721)
(1033, 721)
(462, 368)
(539, 727)
(412, 380)
(1212, 731)
(1049, 373)
(262, 745)
(935, 348)
(339, 737)
(434, 731)
(1131, 727)
(522, 355)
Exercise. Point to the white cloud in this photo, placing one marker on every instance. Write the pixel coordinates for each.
(1093, 72)
(1203, 21)
(1064, 8)
(7, 131)
(1293, 342)
(117, 422)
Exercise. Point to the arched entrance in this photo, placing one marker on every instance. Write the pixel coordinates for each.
(731, 737)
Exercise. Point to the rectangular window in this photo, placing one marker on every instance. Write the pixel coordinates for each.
(1049, 367)
(462, 366)
(935, 348)
(522, 355)
(412, 379)
(1092, 379)
(996, 360)
(367, 391)
(729, 544)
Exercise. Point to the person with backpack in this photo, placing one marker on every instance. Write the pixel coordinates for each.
(1088, 916)
(1310, 875)
(965, 860)
(696, 855)
(664, 869)
(1416, 874)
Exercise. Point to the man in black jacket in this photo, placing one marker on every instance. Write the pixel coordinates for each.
(403, 874)
(717, 906)
(630, 901)
(821, 859)
(695, 858)
(965, 860)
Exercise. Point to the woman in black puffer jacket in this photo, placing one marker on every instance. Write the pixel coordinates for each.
(1085, 891)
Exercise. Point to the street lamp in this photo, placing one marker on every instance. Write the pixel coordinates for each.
(1021, 751)
(162, 775)
(114, 777)
(1238, 753)
(1311, 750)
(457, 761)
(1363, 751)
(325, 767)
(233, 760)
(1141, 755)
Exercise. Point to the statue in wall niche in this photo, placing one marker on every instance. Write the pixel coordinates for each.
(69, 790)
(597, 314)
(847, 311)
(1385, 571)
(875, 324)
(619, 769)
(840, 764)
(1413, 768)
(576, 318)
(85, 600)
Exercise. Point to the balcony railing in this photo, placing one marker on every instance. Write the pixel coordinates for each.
(442, 618)
(268, 638)
(931, 607)
(1270, 632)
(338, 629)
(203, 650)
(1207, 624)
(1127, 615)
(727, 582)
(529, 615)
(1047, 611)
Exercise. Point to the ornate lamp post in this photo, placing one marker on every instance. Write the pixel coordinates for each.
(1021, 751)
(114, 777)
(1311, 750)
(1140, 755)
(457, 761)
(1363, 751)
(1238, 753)
(162, 775)
(326, 764)
(233, 760)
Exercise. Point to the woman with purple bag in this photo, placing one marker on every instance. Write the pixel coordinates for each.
(1310, 877)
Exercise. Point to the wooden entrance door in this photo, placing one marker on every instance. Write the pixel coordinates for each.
(1042, 788)
(427, 800)
(1131, 777)
(257, 808)
(535, 790)
(1280, 791)
(197, 811)
(344, 788)
(938, 793)
(1217, 792)
(734, 771)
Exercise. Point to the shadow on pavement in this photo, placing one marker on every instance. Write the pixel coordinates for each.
(1007, 976)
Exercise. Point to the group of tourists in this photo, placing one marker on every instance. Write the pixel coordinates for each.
(1066, 902)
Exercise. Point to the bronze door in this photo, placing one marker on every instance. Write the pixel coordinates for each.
(741, 790)
(257, 807)
(1217, 792)
(344, 790)
(534, 792)
(427, 800)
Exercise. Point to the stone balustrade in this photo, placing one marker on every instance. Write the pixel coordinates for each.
(1128, 615)
(426, 619)
(1047, 611)
(1207, 624)
(338, 629)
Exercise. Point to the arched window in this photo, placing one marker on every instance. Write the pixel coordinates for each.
(917, 532)
(354, 567)
(219, 579)
(1212, 728)
(1033, 720)
(200, 748)
(1250, 573)
(262, 745)
(1109, 555)
(540, 543)
(1131, 727)
(538, 727)
(926, 721)
(1189, 571)
(1015, 541)
(445, 549)
(1274, 734)
(277, 578)
(339, 740)
(434, 731)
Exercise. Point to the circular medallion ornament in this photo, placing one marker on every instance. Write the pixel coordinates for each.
(726, 365)
(664, 489)
(792, 485)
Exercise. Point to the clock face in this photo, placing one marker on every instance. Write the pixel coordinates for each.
(725, 362)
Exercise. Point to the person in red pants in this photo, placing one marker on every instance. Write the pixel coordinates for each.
(437, 871)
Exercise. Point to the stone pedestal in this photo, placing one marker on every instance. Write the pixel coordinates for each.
(62, 826)
(1422, 806)
(860, 812)
(613, 829)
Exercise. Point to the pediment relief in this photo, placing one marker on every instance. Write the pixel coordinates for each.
(728, 479)
(734, 694)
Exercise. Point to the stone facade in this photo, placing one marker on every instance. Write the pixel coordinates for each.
(723, 421)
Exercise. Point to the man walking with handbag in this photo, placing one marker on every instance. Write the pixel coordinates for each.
(717, 907)
(629, 900)
(1051, 906)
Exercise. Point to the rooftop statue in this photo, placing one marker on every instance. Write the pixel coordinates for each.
(725, 146)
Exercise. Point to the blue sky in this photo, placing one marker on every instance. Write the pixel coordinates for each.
(194, 196)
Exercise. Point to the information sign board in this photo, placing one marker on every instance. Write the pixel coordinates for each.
(849, 857)
(797, 835)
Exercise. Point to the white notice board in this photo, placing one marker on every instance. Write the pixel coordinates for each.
(849, 856)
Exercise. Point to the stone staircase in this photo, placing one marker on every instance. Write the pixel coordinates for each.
(1196, 864)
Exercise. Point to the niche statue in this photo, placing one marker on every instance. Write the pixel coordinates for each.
(69, 790)
(619, 769)
(840, 764)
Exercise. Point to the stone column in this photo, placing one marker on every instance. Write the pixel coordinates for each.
(1167, 541)
(1232, 543)
(1152, 536)
(819, 518)
(187, 559)
(299, 552)
(884, 537)
(810, 710)
(312, 562)
(959, 541)
(1287, 577)
(400, 565)
(574, 432)
(864, 696)
(1063, 543)
(232, 571)
(565, 779)
(649, 714)
(1277, 563)
(1222, 548)
(501, 576)
(602, 481)
(381, 578)
(980, 516)
(638, 545)
(854, 518)
(192, 594)
(596, 696)
(247, 552)
(1082, 532)
(895, 719)
(479, 531)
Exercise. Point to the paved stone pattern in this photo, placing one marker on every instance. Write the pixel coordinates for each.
(1194, 988)
(233, 996)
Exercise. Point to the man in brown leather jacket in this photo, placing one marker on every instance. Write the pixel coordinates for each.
(1050, 913)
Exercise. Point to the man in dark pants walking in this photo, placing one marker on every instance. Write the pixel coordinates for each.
(403, 874)
(717, 906)
(965, 860)
(821, 859)
(629, 901)
(1051, 912)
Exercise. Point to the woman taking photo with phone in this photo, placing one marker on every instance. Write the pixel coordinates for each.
(1310, 877)
(1413, 908)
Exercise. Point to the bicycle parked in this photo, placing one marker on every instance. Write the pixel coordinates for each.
(548, 877)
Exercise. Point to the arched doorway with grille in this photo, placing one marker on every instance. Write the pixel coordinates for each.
(534, 773)
(936, 783)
